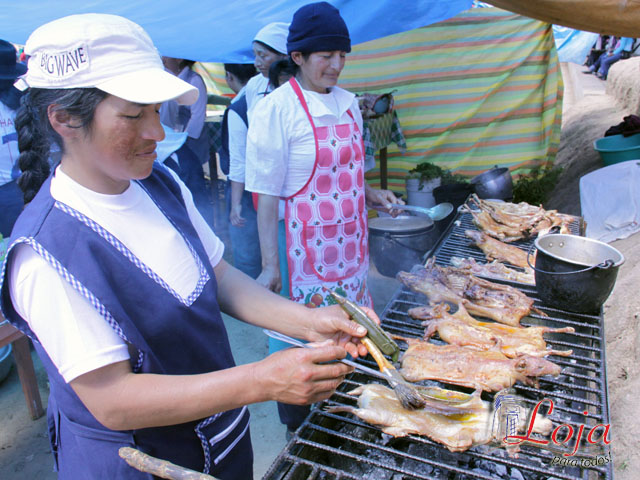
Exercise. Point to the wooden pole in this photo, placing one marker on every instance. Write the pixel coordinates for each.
(27, 374)
(610, 17)
(383, 168)
(160, 468)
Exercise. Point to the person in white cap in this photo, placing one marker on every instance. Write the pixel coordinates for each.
(119, 282)
(269, 45)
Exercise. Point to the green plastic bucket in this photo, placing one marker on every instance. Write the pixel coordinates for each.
(618, 148)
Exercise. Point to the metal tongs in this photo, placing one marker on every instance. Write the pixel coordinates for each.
(434, 394)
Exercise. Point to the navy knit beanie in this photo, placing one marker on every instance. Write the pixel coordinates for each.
(318, 27)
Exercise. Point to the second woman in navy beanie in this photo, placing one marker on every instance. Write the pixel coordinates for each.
(318, 27)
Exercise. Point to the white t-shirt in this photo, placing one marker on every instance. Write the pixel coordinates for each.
(237, 131)
(78, 339)
(280, 143)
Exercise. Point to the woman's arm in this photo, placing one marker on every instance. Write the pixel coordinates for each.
(244, 299)
(268, 232)
(122, 400)
(235, 215)
(294, 376)
(237, 150)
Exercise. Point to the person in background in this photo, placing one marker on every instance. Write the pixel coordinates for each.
(305, 146)
(195, 152)
(118, 280)
(280, 72)
(243, 226)
(601, 66)
(11, 202)
(598, 48)
(269, 45)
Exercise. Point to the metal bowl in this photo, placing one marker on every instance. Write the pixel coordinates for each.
(495, 183)
(399, 243)
(575, 273)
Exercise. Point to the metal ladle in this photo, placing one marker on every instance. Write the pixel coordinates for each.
(436, 213)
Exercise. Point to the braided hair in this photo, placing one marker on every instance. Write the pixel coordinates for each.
(35, 133)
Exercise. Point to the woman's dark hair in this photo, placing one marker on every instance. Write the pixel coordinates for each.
(35, 133)
(268, 47)
(281, 67)
(186, 63)
(242, 71)
(292, 66)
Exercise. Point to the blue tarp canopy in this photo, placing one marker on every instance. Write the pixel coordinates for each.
(222, 31)
(573, 45)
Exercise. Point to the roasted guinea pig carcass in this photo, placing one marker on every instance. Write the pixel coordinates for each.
(495, 270)
(501, 303)
(462, 329)
(496, 250)
(509, 221)
(488, 370)
(378, 405)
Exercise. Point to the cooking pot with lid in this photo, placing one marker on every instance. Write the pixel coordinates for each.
(575, 273)
(495, 183)
(399, 243)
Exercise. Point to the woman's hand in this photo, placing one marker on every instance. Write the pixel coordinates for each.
(270, 278)
(333, 323)
(235, 215)
(382, 198)
(301, 376)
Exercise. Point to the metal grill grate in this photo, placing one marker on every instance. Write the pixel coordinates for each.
(339, 446)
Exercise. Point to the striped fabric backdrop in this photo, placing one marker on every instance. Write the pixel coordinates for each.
(483, 88)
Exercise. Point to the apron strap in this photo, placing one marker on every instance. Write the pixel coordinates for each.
(298, 91)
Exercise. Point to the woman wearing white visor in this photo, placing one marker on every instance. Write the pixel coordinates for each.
(119, 282)
(269, 45)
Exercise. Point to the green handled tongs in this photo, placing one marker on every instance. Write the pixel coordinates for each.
(434, 394)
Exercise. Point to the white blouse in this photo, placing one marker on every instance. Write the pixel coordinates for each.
(280, 142)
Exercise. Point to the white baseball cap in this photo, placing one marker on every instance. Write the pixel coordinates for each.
(274, 35)
(107, 52)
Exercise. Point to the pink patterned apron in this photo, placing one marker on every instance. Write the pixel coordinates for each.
(326, 220)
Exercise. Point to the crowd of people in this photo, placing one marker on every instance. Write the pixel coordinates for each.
(113, 269)
(605, 52)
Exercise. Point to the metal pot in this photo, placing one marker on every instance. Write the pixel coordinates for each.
(399, 243)
(575, 273)
(495, 183)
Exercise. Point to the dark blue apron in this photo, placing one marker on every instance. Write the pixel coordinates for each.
(170, 334)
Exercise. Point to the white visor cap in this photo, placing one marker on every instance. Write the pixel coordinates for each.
(104, 51)
(275, 36)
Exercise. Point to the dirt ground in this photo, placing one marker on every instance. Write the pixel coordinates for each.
(589, 110)
(588, 114)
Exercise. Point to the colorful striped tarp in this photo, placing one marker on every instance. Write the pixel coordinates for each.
(483, 88)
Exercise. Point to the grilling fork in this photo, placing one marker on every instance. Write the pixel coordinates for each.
(430, 393)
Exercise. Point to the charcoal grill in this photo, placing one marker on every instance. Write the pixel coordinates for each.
(341, 446)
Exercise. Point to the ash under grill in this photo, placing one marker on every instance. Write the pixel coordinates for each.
(341, 446)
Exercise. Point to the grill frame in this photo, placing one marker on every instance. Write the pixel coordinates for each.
(324, 440)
